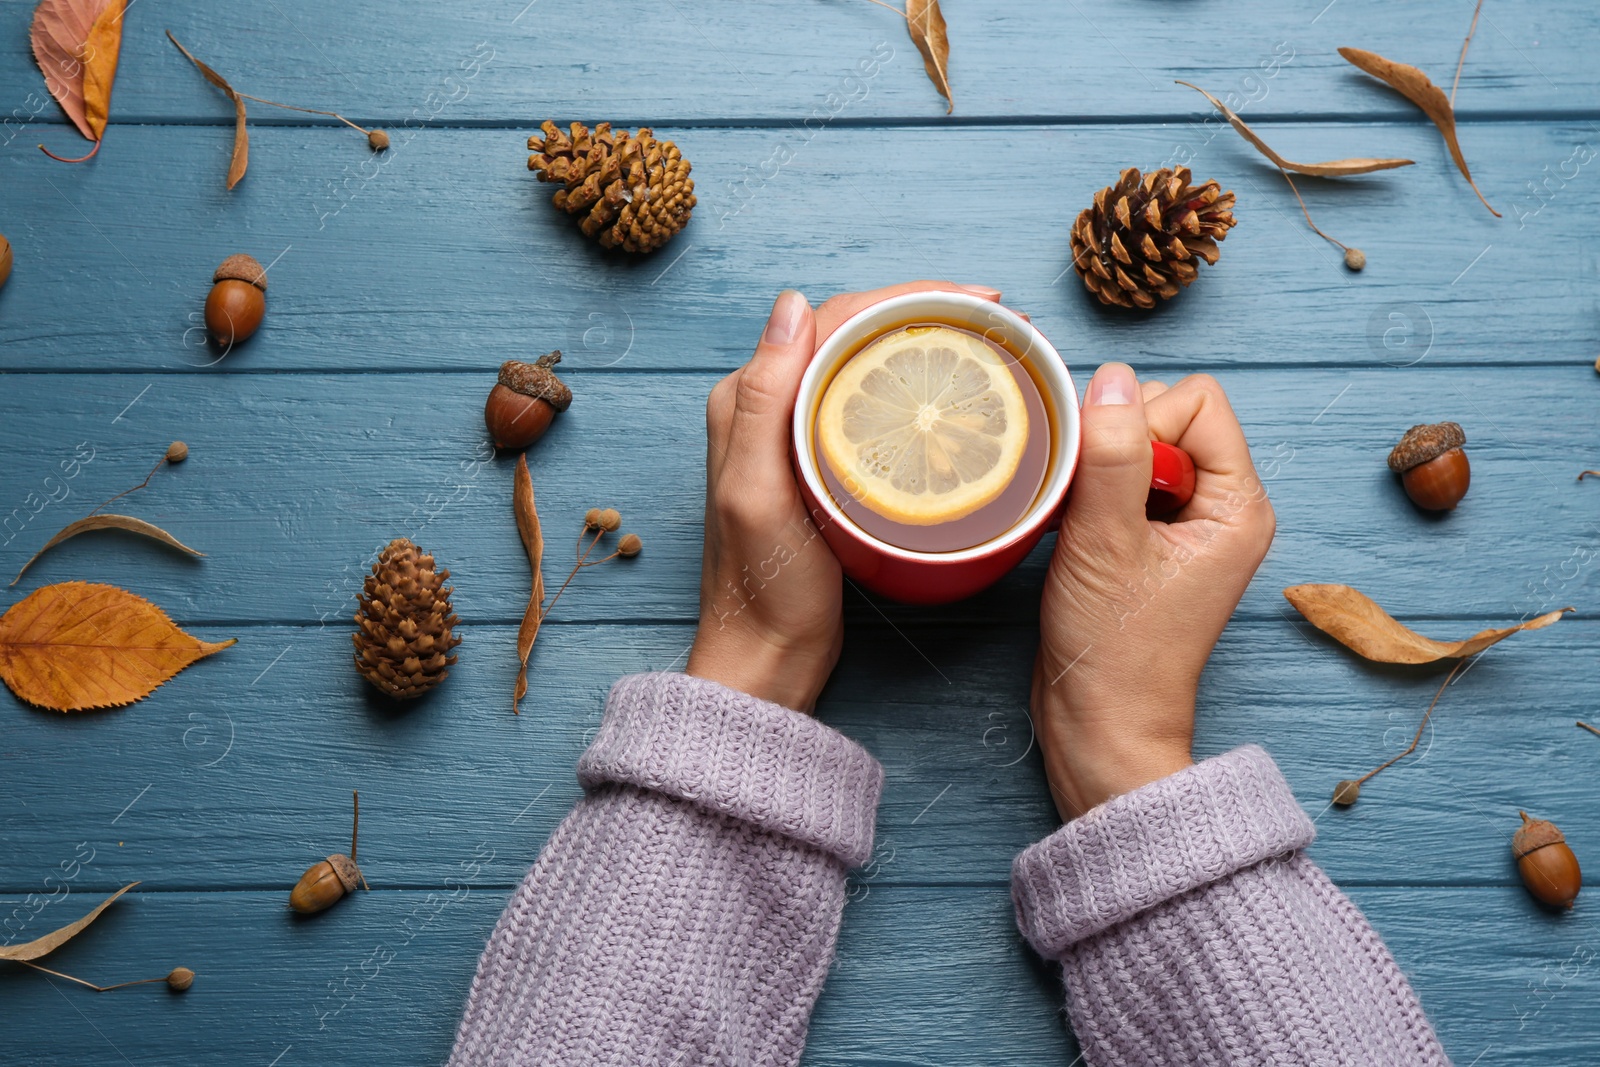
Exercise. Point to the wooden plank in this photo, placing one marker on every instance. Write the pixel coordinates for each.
(924, 976)
(238, 772)
(517, 61)
(295, 481)
(385, 262)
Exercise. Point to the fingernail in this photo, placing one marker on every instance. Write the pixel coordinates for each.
(783, 325)
(982, 290)
(1113, 384)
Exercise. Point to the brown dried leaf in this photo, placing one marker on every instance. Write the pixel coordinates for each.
(107, 522)
(76, 44)
(929, 34)
(77, 645)
(1416, 87)
(1355, 621)
(50, 942)
(1337, 168)
(533, 543)
(241, 134)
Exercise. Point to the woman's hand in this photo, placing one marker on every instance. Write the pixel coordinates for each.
(770, 616)
(1133, 607)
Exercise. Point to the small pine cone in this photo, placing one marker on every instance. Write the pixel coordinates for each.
(405, 623)
(633, 191)
(1144, 238)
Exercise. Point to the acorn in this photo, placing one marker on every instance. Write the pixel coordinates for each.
(1432, 465)
(526, 399)
(324, 884)
(237, 301)
(1546, 863)
(5, 260)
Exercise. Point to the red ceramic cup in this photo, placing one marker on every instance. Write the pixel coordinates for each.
(941, 577)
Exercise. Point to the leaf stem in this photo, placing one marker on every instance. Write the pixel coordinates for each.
(891, 7)
(64, 159)
(135, 489)
(1306, 211)
(1591, 729)
(307, 110)
(545, 614)
(1462, 61)
(91, 985)
(1420, 726)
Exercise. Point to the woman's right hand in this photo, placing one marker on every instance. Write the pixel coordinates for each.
(1132, 607)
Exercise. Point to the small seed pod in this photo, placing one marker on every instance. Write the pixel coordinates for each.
(237, 301)
(609, 520)
(378, 140)
(177, 452)
(180, 979)
(1354, 258)
(1347, 792)
(1432, 466)
(630, 546)
(5, 263)
(526, 399)
(1546, 863)
(325, 883)
(591, 519)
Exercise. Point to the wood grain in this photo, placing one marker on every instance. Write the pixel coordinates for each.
(390, 262)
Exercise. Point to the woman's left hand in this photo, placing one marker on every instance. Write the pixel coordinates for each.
(771, 621)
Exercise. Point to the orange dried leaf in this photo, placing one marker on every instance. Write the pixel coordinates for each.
(533, 543)
(930, 35)
(1416, 87)
(47, 944)
(1337, 168)
(76, 44)
(241, 133)
(1357, 622)
(77, 645)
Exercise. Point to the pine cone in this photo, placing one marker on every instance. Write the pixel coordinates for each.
(1144, 238)
(405, 622)
(632, 190)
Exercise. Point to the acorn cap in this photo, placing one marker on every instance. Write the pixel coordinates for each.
(1425, 442)
(345, 867)
(1534, 835)
(537, 380)
(242, 268)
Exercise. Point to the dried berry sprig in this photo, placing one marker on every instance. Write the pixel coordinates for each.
(178, 979)
(600, 521)
(1348, 791)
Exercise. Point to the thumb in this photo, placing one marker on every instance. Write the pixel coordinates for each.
(1113, 477)
(765, 393)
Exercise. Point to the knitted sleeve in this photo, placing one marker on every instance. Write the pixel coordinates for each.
(685, 912)
(1192, 930)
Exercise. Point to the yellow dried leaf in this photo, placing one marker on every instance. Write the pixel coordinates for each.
(77, 645)
(1355, 621)
(1416, 87)
(533, 542)
(1337, 168)
(100, 55)
(47, 944)
(107, 522)
(930, 35)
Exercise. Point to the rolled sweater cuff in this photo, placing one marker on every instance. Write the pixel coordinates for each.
(1145, 847)
(733, 754)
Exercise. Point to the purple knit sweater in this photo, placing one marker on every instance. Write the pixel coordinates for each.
(684, 914)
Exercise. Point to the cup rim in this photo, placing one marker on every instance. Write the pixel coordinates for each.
(1061, 395)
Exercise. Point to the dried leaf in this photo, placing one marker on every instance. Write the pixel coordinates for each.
(50, 942)
(100, 56)
(241, 134)
(1355, 621)
(928, 33)
(1415, 86)
(1337, 168)
(78, 645)
(533, 542)
(108, 522)
(76, 44)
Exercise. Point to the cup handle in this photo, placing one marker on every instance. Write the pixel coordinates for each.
(1171, 479)
(1171, 482)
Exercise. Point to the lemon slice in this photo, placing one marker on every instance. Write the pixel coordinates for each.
(925, 425)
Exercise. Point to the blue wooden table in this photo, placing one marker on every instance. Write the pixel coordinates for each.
(400, 282)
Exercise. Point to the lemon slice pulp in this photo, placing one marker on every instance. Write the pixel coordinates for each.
(925, 425)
